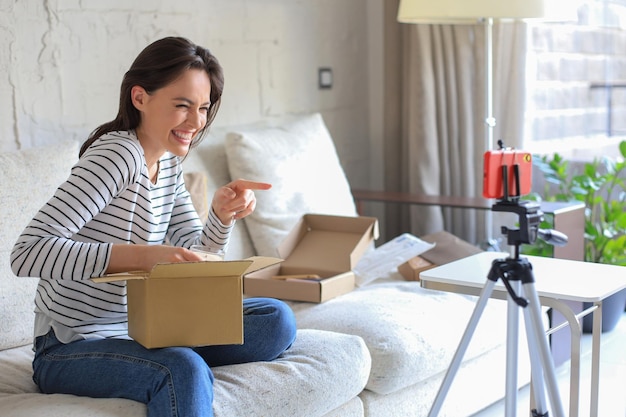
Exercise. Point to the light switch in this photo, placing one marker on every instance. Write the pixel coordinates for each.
(325, 78)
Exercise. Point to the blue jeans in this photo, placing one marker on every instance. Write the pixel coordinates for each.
(174, 381)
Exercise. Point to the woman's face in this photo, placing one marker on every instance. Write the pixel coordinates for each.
(173, 115)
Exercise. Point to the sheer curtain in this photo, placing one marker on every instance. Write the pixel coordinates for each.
(434, 123)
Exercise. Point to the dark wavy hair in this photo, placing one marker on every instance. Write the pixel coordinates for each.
(159, 64)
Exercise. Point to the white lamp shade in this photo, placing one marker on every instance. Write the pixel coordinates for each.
(453, 11)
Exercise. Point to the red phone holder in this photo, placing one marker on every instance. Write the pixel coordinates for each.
(507, 173)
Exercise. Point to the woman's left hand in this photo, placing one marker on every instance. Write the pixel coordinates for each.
(236, 199)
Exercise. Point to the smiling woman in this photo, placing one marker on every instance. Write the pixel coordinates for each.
(158, 65)
(171, 116)
(124, 199)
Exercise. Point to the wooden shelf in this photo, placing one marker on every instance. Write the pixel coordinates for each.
(420, 199)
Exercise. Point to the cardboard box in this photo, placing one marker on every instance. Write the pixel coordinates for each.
(328, 246)
(411, 269)
(447, 248)
(189, 303)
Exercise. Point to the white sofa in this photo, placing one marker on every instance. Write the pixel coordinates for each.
(380, 350)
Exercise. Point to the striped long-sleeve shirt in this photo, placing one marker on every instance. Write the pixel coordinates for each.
(108, 198)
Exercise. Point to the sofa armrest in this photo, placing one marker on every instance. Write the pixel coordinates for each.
(397, 197)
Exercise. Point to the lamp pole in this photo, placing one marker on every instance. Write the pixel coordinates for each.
(490, 120)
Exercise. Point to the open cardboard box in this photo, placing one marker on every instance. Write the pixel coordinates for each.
(447, 248)
(189, 303)
(328, 246)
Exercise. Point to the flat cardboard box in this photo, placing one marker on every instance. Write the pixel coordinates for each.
(189, 303)
(328, 246)
(447, 248)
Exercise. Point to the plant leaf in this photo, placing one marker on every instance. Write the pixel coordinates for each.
(622, 148)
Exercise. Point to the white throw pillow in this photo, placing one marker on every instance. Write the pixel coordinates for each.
(299, 159)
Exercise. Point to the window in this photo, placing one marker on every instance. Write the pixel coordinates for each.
(576, 78)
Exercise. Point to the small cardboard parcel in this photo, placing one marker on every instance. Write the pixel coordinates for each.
(189, 303)
(319, 245)
(447, 248)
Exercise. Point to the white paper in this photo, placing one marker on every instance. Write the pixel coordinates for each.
(378, 263)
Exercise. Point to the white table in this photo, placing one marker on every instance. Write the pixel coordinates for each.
(556, 281)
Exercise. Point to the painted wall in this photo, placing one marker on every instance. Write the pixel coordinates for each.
(62, 61)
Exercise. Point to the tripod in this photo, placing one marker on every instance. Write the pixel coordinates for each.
(517, 277)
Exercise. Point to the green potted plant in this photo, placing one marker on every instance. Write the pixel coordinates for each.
(601, 186)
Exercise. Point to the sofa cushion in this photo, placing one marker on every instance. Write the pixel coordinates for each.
(411, 333)
(479, 382)
(196, 184)
(29, 178)
(300, 160)
(320, 373)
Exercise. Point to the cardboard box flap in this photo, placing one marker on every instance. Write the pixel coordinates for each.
(448, 248)
(195, 269)
(321, 250)
(182, 269)
(122, 276)
(261, 262)
(363, 245)
(200, 269)
(356, 224)
(212, 268)
(326, 245)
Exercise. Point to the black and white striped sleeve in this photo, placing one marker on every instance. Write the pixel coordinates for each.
(48, 247)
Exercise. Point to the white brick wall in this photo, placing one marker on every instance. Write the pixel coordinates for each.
(564, 59)
(62, 61)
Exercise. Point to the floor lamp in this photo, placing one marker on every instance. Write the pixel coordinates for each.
(474, 11)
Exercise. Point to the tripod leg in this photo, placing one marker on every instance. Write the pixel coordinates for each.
(512, 338)
(462, 348)
(538, 387)
(541, 343)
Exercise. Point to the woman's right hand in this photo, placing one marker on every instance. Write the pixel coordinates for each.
(125, 258)
(236, 200)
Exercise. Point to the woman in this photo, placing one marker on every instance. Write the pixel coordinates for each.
(123, 200)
